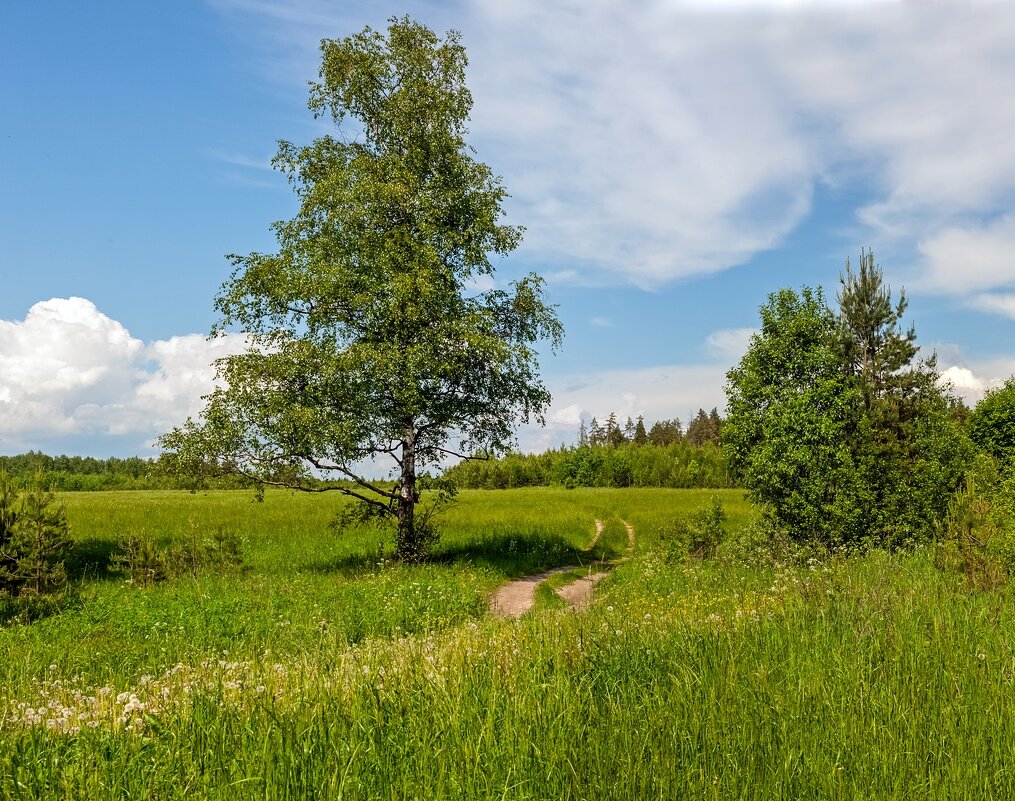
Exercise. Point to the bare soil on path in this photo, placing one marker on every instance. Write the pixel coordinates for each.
(517, 597)
(579, 592)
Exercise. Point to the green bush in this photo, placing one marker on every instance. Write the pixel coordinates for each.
(697, 534)
(145, 562)
(977, 537)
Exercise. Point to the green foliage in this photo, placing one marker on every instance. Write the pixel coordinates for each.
(34, 539)
(788, 403)
(697, 534)
(368, 339)
(678, 465)
(640, 437)
(705, 427)
(85, 473)
(833, 427)
(992, 422)
(665, 432)
(144, 561)
(978, 535)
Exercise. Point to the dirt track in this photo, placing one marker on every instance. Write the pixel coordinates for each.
(517, 597)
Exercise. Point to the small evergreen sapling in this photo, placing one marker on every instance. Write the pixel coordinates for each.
(34, 539)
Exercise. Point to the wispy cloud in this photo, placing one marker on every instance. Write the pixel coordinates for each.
(241, 160)
(729, 344)
(1003, 304)
(972, 258)
(651, 146)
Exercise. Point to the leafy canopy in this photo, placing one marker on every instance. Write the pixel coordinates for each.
(368, 336)
(992, 423)
(834, 426)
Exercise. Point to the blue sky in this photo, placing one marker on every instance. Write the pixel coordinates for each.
(672, 166)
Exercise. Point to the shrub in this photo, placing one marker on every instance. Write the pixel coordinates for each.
(697, 534)
(977, 537)
(144, 562)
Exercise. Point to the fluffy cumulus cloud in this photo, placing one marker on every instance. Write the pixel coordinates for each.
(67, 372)
(970, 378)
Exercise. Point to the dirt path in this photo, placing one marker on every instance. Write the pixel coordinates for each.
(579, 592)
(517, 597)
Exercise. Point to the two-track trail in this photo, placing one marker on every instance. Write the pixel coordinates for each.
(517, 597)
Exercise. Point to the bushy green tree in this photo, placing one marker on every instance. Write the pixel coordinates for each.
(992, 423)
(368, 338)
(788, 407)
(835, 427)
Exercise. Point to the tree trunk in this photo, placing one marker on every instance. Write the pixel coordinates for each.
(408, 545)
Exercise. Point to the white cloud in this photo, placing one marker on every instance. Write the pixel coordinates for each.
(997, 303)
(675, 141)
(67, 370)
(729, 344)
(971, 378)
(624, 156)
(656, 393)
(568, 416)
(968, 259)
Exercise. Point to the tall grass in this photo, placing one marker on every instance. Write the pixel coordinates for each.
(875, 677)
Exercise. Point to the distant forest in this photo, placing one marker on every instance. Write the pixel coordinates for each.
(613, 455)
(85, 473)
(607, 455)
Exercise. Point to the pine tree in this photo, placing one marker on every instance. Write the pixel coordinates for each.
(629, 429)
(665, 432)
(715, 423)
(596, 436)
(614, 434)
(34, 539)
(874, 347)
(640, 437)
(698, 430)
(583, 435)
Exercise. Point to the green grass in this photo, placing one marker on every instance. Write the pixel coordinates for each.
(321, 671)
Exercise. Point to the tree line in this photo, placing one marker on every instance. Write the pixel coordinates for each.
(704, 428)
(677, 464)
(88, 474)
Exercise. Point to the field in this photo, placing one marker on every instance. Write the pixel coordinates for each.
(318, 669)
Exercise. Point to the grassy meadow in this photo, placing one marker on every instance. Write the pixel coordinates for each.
(318, 669)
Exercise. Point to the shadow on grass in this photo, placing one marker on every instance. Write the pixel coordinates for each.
(90, 560)
(513, 554)
(350, 564)
(519, 554)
